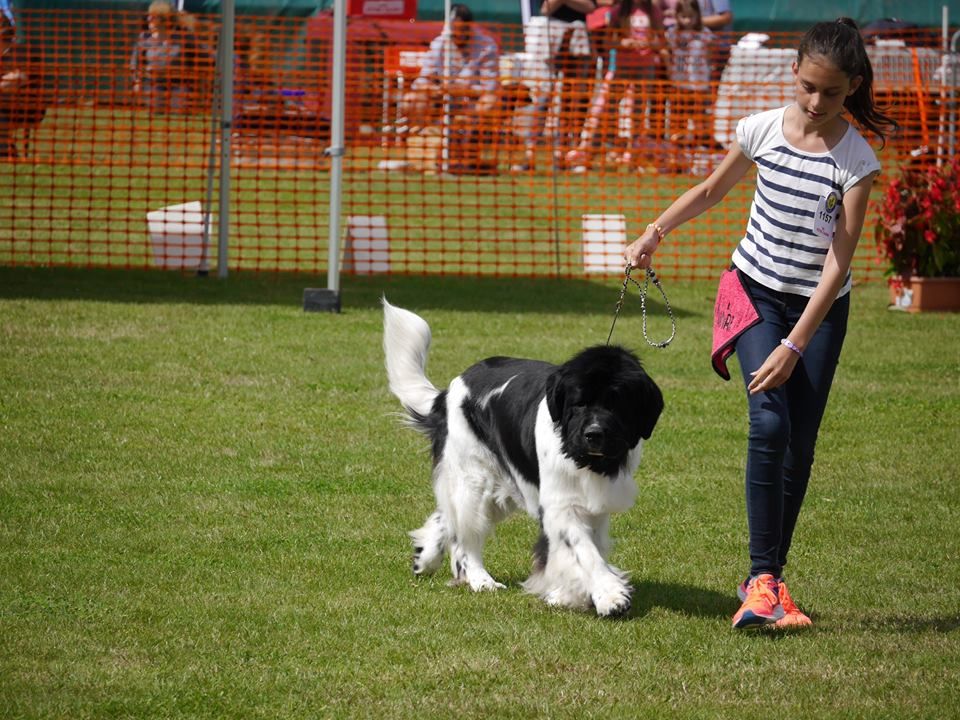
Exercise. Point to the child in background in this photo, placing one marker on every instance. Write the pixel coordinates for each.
(689, 73)
(669, 10)
(814, 174)
(22, 97)
(638, 53)
(162, 63)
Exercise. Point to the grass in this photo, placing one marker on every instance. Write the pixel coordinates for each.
(204, 497)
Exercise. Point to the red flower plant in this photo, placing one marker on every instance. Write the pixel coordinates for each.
(918, 223)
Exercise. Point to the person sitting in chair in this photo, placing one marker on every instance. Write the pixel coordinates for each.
(460, 68)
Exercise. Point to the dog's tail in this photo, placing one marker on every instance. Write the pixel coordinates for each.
(406, 339)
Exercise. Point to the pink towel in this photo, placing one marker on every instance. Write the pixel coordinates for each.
(733, 314)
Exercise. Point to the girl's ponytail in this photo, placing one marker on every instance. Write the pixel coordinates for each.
(840, 43)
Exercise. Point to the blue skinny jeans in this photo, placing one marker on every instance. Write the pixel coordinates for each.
(785, 421)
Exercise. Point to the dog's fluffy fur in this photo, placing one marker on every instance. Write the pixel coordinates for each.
(560, 441)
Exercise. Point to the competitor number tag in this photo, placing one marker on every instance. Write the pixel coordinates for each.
(825, 222)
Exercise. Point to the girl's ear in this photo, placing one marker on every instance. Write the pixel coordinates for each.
(855, 83)
(796, 68)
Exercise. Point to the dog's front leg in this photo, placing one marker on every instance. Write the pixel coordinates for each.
(576, 553)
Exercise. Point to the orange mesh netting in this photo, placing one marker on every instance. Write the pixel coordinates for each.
(110, 155)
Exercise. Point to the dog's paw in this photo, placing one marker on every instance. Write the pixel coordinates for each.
(426, 563)
(613, 600)
(555, 598)
(480, 582)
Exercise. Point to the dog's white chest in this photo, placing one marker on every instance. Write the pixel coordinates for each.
(563, 483)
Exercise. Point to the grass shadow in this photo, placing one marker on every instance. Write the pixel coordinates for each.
(909, 624)
(473, 294)
(686, 599)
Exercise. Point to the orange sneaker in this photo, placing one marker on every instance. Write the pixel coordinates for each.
(762, 604)
(793, 617)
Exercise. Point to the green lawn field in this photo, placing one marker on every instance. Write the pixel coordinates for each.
(205, 494)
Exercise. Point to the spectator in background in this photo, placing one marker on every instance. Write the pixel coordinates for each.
(22, 103)
(668, 8)
(200, 58)
(689, 73)
(164, 60)
(255, 78)
(462, 65)
(718, 18)
(638, 56)
(558, 37)
(717, 15)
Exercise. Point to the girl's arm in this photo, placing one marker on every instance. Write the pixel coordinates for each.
(692, 203)
(717, 21)
(779, 365)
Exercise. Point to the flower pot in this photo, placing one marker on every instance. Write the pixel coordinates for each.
(924, 294)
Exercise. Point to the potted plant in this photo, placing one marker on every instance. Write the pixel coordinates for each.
(918, 237)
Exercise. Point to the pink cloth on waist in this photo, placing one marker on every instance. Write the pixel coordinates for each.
(733, 313)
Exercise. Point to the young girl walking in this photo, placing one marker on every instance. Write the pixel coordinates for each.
(814, 172)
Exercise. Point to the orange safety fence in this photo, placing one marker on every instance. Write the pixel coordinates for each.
(550, 160)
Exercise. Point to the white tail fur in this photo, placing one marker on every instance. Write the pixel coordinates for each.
(406, 340)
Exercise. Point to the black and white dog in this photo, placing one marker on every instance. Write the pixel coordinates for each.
(560, 441)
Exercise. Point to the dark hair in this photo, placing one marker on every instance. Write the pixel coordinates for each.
(840, 43)
(692, 6)
(625, 9)
(459, 11)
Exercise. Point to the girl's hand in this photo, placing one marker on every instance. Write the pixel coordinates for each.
(775, 371)
(639, 253)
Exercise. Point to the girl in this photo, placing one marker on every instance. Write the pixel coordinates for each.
(162, 55)
(814, 172)
(640, 26)
(689, 73)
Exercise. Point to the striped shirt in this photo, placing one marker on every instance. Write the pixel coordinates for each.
(797, 203)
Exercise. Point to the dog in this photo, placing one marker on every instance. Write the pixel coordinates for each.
(559, 441)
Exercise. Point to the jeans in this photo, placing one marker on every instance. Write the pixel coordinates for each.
(784, 422)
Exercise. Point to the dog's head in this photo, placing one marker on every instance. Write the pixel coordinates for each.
(604, 403)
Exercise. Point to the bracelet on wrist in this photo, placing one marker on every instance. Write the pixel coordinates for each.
(657, 229)
(788, 344)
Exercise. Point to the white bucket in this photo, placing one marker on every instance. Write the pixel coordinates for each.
(367, 246)
(604, 240)
(176, 236)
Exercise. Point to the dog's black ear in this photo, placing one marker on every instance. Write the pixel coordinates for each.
(649, 407)
(555, 393)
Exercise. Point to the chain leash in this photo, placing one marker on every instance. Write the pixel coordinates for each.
(649, 277)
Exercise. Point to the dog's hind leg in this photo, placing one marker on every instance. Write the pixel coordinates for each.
(429, 544)
(473, 514)
(466, 564)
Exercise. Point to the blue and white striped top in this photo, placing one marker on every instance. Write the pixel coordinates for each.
(782, 249)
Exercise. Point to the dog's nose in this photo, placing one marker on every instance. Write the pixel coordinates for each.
(593, 434)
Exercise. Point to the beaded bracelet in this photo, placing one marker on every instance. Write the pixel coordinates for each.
(788, 344)
(659, 230)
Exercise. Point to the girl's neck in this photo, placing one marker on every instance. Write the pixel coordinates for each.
(804, 134)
